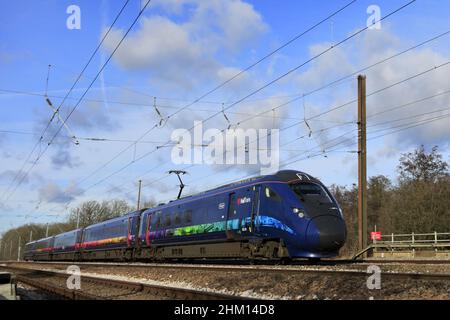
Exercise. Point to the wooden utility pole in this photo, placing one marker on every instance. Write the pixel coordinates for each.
(18, 249)
(362, 164)
(139, 195)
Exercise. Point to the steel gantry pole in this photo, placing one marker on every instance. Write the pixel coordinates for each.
(139, 196)
(362, 164)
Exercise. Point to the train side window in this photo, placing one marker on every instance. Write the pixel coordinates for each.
(167, 220)
(232, 205)
(188, 216)
(177, 219)
(271, 194)
(158, 220)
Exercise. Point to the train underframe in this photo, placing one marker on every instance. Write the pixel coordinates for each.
(268, 249)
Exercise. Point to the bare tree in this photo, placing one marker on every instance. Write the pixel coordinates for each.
(420, 165)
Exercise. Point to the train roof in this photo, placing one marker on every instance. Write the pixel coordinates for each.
(281, 176)
(127, 215)
(67, 232)
(39, 240)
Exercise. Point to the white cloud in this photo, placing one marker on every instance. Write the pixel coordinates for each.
(372, 47)
(185, 52)
(51, 192)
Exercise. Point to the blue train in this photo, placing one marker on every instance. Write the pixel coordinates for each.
(286, 215)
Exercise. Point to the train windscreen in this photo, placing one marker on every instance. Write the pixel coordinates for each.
(311, 192)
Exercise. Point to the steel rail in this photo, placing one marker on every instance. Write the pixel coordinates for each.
(317, 270)
(28, 276)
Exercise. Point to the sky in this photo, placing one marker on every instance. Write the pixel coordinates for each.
(178, 51)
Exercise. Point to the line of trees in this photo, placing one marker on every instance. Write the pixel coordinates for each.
(85, 214)
(418, 201)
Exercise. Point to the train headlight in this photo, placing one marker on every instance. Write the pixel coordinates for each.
(299, 212)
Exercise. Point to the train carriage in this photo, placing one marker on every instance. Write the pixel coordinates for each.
(40, 249)
(281, 216)
(28, 251)
(66, 245)
(289, 214)
(112, 239)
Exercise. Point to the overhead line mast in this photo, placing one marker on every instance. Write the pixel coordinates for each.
(362, 164)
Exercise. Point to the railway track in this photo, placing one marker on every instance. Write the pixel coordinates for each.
(95, 288)
(323, 262)
(406, 261)
(315, 269)
(339, 281)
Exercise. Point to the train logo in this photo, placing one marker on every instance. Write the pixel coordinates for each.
(243, 200)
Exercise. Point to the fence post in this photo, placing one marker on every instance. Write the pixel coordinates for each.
(392, 237)
(435, 237)
(412, 237)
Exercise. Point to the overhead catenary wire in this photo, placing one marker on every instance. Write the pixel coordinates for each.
(312, 155)
(324, 146)
(367, 95)
(271, 82)
(38, 143)
(298, 96)
(320, 153)
(411, 2)
(162, 106)
(327, 146)
(290, 71)
(377, 91)
(216, 87)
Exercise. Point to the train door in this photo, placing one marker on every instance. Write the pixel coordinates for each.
(254, 218)
(129, 232)
(231, 213)
(147, 229)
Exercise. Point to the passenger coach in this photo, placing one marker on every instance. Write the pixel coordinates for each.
(285, 215)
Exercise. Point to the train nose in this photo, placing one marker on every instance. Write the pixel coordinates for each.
(326, 233)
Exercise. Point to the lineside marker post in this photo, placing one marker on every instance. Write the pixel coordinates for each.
(362, 164)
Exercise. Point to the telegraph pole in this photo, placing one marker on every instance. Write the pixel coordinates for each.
(31, 235)
(78, 218)
(18, 249)
(139, 195)
(362, 164)
(46, 231)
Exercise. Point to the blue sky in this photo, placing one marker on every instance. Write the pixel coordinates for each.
(181, 49)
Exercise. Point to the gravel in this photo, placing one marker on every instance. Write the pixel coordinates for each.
(251, 282)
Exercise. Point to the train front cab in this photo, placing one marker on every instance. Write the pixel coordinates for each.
(313, 214)
(42, 249)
